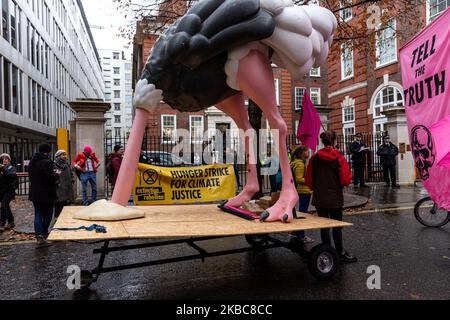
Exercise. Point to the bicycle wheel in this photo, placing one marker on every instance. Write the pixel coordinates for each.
(428, 214)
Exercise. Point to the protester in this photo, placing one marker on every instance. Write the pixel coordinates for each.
(387, 153)
(114, 162)
(42, 192)
(326, 175)
(272, 164)
(87, 163)
(64, 185)
(358, 149)
(298, 167)
(8, 185)
(231, 156)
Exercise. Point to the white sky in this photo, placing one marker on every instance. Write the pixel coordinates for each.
(103, 13)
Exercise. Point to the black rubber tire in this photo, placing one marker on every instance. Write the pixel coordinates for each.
(439, 223)
(86, 278)
(256, 240)
(323, 261)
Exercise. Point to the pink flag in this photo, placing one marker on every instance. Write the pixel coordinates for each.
(309, 124)
(426, 83)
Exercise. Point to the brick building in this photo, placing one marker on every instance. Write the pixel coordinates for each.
(363, 84)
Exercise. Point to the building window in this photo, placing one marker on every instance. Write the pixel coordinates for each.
(168, 128)
(386, 44)
(116, 94)
(315, 72)
(116, 106)
(15, 90)
(5, 14)
(345, 13)
(108, 122)
(349, 132)
(107, 84)
(196, 129)
(277, 90)
(6, 84)
(108, 133)
(116, 55)
(348, 110)
(12, 19)
(117, 132)
(107, 96)
(116, 119)
(315, 96)
(386, 98)
(346, 61)
(299, 93)
(117, 82)
(436, 7)
(116, 70)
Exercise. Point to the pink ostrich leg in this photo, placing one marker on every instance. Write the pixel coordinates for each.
(234, 107)
(125, 179)
(255, 78)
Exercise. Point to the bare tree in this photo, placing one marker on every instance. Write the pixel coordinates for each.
(369, 18)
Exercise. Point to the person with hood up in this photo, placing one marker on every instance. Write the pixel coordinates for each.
(64, 185)
(42, 192)
(87, 163)
(326, 175)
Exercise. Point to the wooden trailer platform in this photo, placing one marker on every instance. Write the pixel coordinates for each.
(182, 221)
(190, 224)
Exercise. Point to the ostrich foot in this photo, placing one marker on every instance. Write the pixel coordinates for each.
(103, 210)
(245, 195)
(282, 209)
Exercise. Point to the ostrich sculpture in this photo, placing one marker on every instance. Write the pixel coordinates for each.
(219, 52)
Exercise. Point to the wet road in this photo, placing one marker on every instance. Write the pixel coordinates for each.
(414, 263)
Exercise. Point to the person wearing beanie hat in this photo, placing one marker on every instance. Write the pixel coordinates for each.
(42, 191)
(64, 186)
(45, 148)
(86, 164)
(8, 186)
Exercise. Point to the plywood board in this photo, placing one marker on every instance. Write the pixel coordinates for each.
(115, 230)
(185, 221)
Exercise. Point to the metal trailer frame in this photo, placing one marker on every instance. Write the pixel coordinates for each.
(322, 259)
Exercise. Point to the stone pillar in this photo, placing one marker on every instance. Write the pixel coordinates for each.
(88, 128)
(397, 128)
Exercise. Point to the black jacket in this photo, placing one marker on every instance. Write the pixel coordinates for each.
(42, 179)
(358, 156)
(8, 179)
(387, 153)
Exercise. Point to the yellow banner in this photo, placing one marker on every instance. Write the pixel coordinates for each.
(162, 185)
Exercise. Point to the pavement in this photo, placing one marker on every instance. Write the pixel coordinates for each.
(377, 196)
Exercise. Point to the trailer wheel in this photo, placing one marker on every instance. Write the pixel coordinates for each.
(256, 240)
(323, 261)
(86, 279)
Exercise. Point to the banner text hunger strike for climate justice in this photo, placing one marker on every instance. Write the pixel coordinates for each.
(163, 185)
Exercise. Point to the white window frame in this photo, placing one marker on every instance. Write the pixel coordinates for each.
(277, 90)
(296, 98)
(318, 92)
(343, 14)
(428, 9)
(191, 129)
(348, 103)
(174, 135)
(345, 127)
(311, 74)
(380, 64)
(343, 53)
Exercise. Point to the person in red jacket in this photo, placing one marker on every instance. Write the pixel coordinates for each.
(87, 163)
(326, 175)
